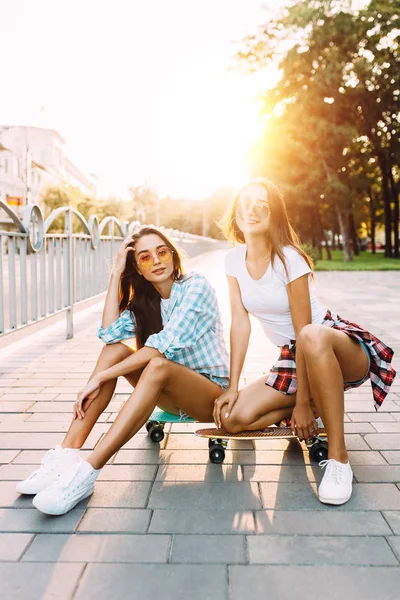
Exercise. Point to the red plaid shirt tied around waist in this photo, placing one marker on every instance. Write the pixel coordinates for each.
(381, 373)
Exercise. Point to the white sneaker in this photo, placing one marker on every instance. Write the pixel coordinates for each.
(52, 466)
(337, 482)
(76, 484)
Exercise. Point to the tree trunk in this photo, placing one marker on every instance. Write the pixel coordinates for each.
(334, 239)
(347, 257)
(395, 198)
(373, 220)
(353, 234)
(323, 236)
(386, 202)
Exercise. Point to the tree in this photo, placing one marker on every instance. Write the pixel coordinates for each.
(340, 82)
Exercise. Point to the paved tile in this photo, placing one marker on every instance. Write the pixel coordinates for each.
(393, 518)
(6, 456)
(319, 522)
(321, 550)
(42, 441)
(9, 497)
(387, 427)
(12, 545)
(385, 474)
(115, 520)
(391, 456)
(208, 549)
(120, 494)
(127, 473)
(32, 581)
(29, 427)
(373, 418)
(367, 406)
(15, 472)
(98, 548)
(282, 474)
(355, 442)
(287, 582)
(30, 520)
(202, 521)
(361, 427)
(13, 407)
(222, 496)
(298, 496)
(395, 545)
(208, 473)
(147, 582)
(10, 418)
(45, 417)
(383, 441)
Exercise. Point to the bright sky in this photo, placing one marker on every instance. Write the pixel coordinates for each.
(140, 89)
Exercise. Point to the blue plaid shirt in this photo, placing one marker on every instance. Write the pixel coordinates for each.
(192, 330)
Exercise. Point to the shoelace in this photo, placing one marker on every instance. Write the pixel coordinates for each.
(334, 470)
(67, 477)
(45, 463)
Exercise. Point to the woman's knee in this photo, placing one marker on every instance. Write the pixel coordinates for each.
(231, 425)
(157, 367)
(313, 339)
(236, 422)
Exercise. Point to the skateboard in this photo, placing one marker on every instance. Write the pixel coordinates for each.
(157, 420)
(218, 441)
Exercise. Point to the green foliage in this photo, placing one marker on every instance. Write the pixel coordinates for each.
(332, 122)
(58, 197)
(365, 262)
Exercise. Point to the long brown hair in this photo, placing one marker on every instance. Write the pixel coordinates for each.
(280, 233)
(139, 295)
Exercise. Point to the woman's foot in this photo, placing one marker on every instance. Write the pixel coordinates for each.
(53, 464)
(76, 484)
(337, 482)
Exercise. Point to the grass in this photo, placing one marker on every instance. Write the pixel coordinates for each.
(365, 262)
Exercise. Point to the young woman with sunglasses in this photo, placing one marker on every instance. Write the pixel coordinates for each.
(176, 324)
(321, 354)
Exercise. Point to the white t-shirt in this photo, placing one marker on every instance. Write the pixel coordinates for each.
(164, 305)
(266, 298)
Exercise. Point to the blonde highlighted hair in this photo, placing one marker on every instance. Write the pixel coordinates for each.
(280, 233)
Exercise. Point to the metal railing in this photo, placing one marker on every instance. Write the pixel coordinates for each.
(43, 273)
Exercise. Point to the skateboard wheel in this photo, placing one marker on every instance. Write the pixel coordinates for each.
(157, 434)
(217, 454)
(320, 453)
(149, 425)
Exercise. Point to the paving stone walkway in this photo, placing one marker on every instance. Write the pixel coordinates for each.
(163, 521)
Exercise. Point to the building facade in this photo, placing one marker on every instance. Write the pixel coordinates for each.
(32, 159)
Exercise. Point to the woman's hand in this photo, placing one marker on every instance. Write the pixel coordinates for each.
(225, 402)
(120, 261)
(86, 397)
(303, 422)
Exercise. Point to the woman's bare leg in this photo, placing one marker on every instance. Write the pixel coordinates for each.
(80, 428)
(186, 390)
(258, 406)
(332, 357)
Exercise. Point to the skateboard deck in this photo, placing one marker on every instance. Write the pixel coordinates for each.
(157, 420)
(218, 440)
(268, 432)
(161, 416)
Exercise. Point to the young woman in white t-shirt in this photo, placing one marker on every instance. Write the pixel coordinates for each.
(269, 276)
